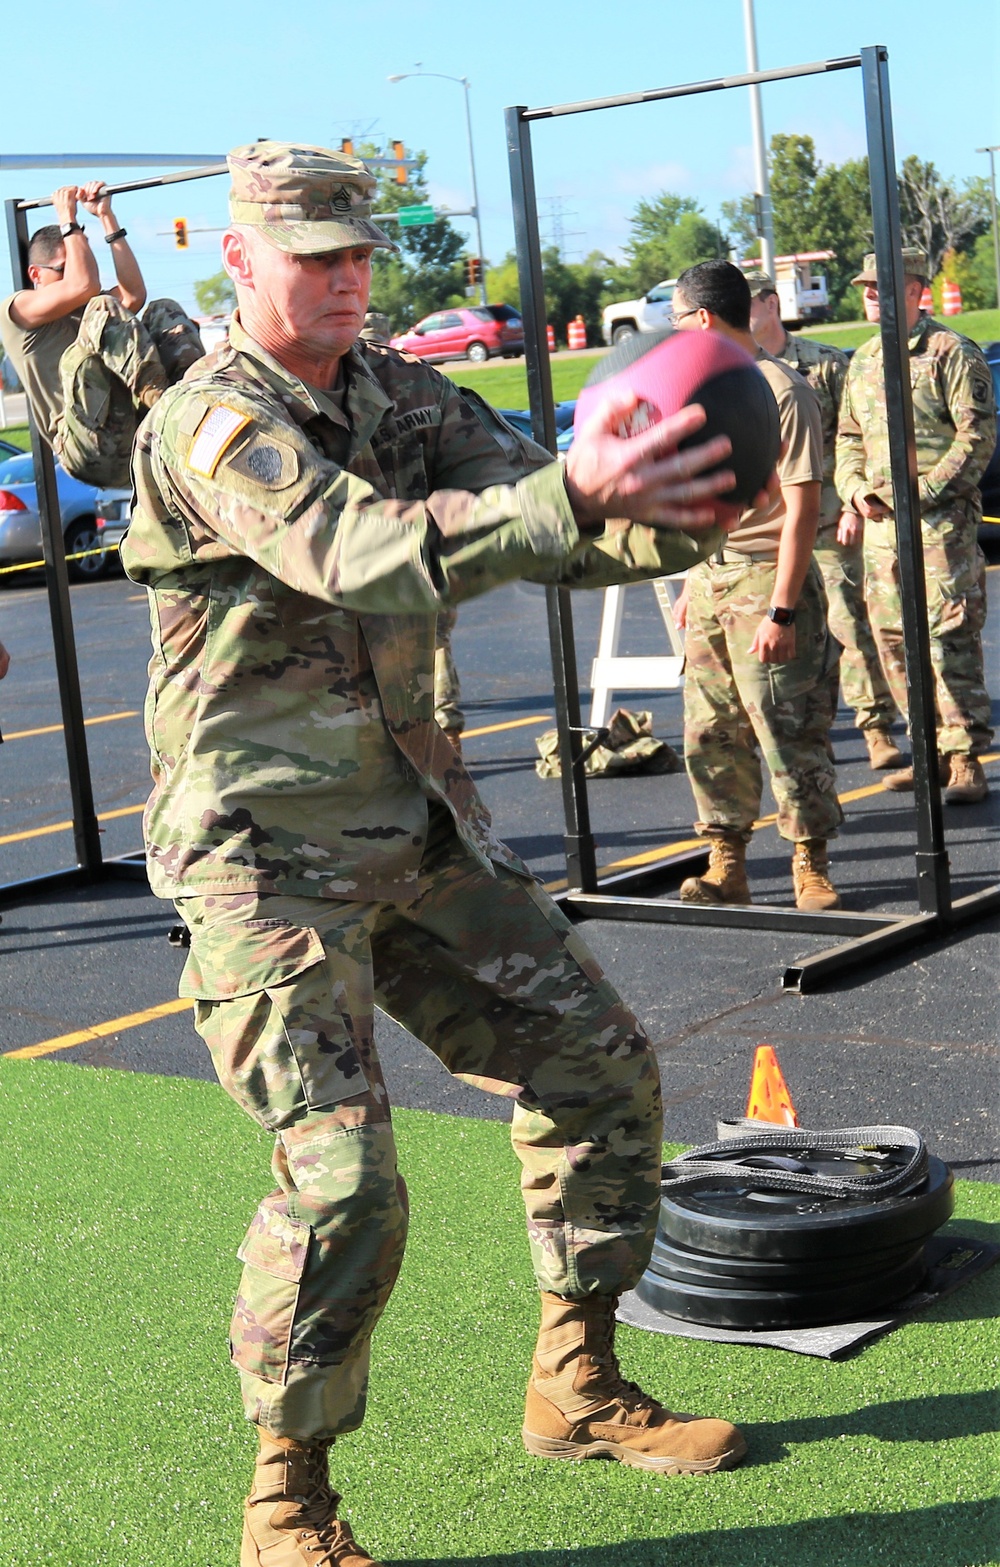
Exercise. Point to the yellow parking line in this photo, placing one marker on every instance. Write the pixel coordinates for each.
(41, 832)
(54, 729)
(117, 1025)
(515, 723)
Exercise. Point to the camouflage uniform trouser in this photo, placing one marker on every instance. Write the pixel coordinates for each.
(117, 368)
(447, 690)
(955, 576)
(861, 677)
(492, 977)
(732, 700)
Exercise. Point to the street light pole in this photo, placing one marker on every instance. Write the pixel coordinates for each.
(766, 222)
(463, 82)
(993, 210)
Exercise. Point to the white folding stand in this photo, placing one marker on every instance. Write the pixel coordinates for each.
(609, 673)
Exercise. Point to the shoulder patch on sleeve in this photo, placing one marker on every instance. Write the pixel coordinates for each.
(266, 460)
(213, 437)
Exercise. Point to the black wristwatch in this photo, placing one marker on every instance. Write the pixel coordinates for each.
(66, 229)
(781, 617)
(109, 239)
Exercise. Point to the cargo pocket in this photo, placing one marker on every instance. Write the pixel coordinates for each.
(274, 1255)
(273, 1017)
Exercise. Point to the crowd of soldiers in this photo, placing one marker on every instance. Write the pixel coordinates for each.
(831, 580)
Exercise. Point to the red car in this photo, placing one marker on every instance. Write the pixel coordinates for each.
(476, 332)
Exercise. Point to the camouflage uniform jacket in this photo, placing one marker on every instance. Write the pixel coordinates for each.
(297, 554)
(954, 416)
(825, 368)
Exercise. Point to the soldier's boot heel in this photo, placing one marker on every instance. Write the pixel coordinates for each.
(725, 881)
(579, 1405)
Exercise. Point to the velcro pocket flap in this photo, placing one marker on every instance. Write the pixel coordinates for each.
(237, 960)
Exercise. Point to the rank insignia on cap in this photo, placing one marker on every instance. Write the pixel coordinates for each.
(213, 437)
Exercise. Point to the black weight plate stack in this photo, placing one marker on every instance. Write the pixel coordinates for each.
(735, 1256)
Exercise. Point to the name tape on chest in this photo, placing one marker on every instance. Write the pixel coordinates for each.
(418, 418)
(213, 437)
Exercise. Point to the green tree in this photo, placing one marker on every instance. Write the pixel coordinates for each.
(937, 217)
(215, 294)
(572, 288)
(975, 273)
(668, 233)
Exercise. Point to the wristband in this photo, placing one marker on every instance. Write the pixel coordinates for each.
(66, 229)
(109, 239)
(781, 617)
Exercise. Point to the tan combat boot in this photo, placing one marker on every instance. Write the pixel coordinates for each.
(966, 779)
(725, 881)
(814, 890)
(290, 1519)
(882, 750)
(579, 1405)
(901, 782)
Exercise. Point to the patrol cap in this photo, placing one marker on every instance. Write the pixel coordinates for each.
(914, 265)
(305, 199)
(760, 282)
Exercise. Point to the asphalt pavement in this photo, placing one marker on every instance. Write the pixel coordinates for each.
(89, 977)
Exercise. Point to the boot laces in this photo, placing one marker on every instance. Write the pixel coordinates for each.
(629, 1394)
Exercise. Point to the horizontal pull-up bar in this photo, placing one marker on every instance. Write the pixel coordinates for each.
(655, 94)
(10, 161)
(150, 184)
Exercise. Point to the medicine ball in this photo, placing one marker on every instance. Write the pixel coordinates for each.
(669, 370)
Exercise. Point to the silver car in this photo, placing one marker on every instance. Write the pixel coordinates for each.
(20, 526)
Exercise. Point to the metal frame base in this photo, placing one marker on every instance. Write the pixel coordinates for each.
(125, 867)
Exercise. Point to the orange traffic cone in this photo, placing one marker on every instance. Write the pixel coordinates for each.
(927, 301)
(769, 1097)
(951, 299)
(550, 338)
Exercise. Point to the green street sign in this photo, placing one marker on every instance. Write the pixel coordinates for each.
(410, 217)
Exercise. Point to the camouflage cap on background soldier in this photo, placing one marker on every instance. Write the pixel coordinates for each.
(914, 265)
(377, 327)
(305, 199)
(760, 283)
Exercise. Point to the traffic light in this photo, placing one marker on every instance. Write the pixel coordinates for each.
(473, 270)
(181, 233)
(347, 146)
(399, 151)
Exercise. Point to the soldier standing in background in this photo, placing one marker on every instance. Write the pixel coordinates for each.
(954, 415)
(306, 504)
(89, 366)
(758, 652)
(838, 553)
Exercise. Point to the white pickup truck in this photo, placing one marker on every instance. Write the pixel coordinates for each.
(629, 316)
(802, 296)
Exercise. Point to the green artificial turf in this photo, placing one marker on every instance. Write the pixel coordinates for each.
(122, 1442)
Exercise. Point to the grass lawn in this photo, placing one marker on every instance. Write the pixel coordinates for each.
(121, 1437)
(18, 435)
(508, 387)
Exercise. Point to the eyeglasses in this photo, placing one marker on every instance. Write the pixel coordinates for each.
(47, 266)
(678, 315)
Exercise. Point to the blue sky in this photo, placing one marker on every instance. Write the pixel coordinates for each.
(110, 77)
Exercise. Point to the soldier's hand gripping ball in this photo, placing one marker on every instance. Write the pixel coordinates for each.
(663, 373)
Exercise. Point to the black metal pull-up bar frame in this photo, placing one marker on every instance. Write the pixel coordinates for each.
(90, 866)
(874, 935)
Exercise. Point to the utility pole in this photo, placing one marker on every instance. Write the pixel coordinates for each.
(765, 224)
(993, 210)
